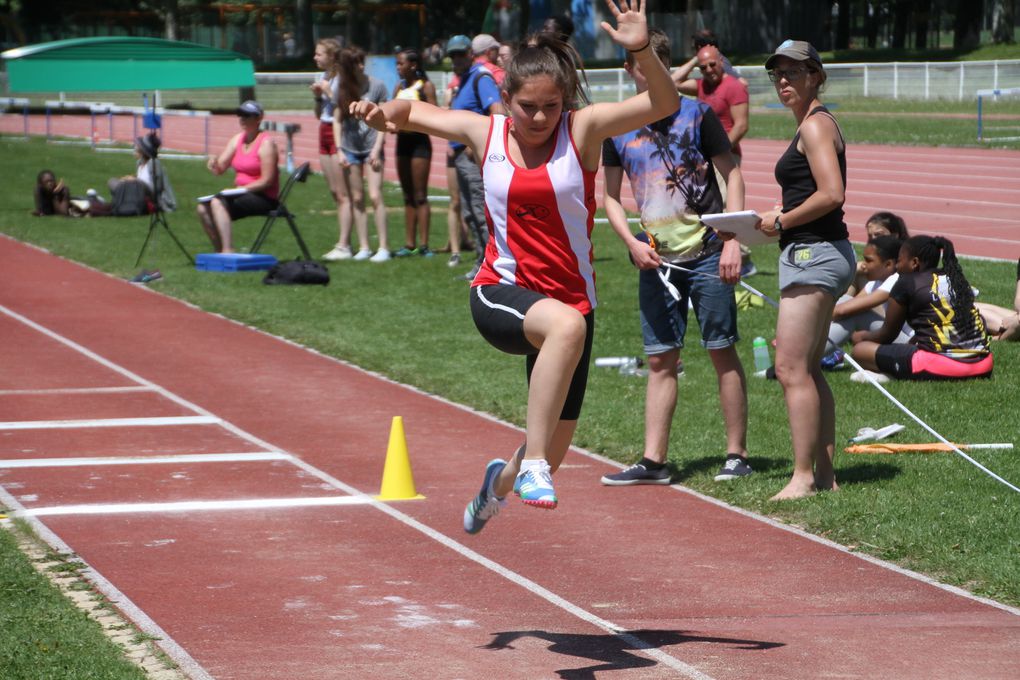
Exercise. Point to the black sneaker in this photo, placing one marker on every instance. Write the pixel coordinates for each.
(637, 474)
(735, 467)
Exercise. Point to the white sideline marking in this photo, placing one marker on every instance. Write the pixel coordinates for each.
(76, 390)
(109, 422)
(144, 460)
(133, 612)
(188, 506)
(179, 654)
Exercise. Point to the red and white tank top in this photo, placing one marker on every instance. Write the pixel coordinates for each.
(248, 165)
(540, 220)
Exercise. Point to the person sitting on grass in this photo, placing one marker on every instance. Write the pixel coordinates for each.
(1003, 323)
(950, 341)
(52, 197)
(879, 224)
(138, 194)
(866, 309)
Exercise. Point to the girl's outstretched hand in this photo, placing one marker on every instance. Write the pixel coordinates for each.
(373, 115)
(631, 30)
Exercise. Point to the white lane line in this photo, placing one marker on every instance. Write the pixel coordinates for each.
(133, 612)
(634, 641)
(173, 649)
(190, 506)
(144, 460)
(109, 422)
(75, 390)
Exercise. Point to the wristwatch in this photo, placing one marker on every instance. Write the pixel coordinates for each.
(778, 225)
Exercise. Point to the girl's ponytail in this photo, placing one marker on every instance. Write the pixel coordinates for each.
(963, 294)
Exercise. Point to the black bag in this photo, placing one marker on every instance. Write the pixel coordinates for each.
(130, 197)
(295, 272)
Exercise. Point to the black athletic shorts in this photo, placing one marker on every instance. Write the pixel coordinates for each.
(248, 204)
(498, 312)
(414, 144)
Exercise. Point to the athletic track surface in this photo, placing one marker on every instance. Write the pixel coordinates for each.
(239, 527)
(969, 195)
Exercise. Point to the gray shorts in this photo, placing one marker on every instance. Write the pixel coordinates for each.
(829, 265)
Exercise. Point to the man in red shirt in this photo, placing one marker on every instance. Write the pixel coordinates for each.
(726, 94)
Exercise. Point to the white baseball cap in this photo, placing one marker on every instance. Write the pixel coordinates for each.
(483, 42)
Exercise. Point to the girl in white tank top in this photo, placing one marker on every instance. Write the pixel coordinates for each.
(538, 167)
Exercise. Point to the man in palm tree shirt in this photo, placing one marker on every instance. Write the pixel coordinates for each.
(670, 168)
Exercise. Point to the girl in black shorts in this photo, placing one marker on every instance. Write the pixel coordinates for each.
(414, 156)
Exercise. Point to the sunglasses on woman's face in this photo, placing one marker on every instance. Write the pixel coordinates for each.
(792, 75)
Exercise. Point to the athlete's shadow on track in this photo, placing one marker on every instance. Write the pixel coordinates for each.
(615, 652)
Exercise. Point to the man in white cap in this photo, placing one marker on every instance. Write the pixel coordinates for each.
(486, 51)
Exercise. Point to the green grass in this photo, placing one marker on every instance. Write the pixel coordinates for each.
(934, 513)
(44, 636)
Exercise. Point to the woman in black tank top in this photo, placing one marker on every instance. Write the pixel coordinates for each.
(816, 264)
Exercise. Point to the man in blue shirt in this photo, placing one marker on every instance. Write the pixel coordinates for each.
(476, 92)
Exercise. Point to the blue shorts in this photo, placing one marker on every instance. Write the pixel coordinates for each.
(829, 265)
(360, 158)
(664, 318)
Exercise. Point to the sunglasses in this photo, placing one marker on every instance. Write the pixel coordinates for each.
(711, 64)
(791, 76)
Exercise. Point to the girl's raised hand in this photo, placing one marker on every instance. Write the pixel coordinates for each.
(631, 30)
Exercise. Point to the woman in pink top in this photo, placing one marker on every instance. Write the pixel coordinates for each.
(253, 156)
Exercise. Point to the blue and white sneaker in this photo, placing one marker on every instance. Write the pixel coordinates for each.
(833, 361)
(534, 486)
(485, 505)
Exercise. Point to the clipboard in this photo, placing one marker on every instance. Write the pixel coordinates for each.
(741, 224)
(226, 192)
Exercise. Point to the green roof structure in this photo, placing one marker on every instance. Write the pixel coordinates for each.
(122, 63)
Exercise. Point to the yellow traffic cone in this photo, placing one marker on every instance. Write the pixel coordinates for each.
(397, 480)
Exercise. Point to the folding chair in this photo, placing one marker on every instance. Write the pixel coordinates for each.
(158, 219)
(299, 175)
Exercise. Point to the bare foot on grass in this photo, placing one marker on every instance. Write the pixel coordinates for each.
(795, 489)
(826, 484)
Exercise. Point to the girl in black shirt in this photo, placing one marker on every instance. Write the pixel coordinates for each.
(950, 341)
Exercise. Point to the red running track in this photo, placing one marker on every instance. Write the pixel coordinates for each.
(234, 524)
(969, 195)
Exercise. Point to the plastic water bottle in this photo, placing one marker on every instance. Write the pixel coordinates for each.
(762, 361)
(627, 365)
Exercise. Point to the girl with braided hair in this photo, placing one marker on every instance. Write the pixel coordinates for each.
(950, 341)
